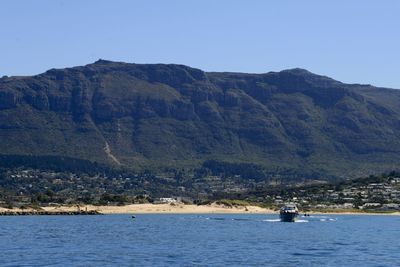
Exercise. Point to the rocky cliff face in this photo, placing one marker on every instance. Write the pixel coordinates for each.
(174, 115)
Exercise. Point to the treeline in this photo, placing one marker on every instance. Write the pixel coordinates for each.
(56, 163)
(227, 169)
(113, 179)
(258, 172)
(370, 179)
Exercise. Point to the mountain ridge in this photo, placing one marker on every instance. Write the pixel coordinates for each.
(171, 115)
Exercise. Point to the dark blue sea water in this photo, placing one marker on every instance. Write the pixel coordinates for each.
(199, 240)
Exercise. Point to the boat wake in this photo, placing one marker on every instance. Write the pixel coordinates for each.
(300, 220)
(272, 220)
(320, 218)
(228, 219)
(279, 220)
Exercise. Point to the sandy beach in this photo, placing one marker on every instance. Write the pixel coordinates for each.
(165, 208)
(153, 208)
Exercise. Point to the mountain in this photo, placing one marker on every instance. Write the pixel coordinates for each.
(158, 115)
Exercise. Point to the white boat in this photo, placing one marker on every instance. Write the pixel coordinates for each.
(288, 213)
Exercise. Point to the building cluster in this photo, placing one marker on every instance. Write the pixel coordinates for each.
(378, 196)
(215, 183)
(24, 187)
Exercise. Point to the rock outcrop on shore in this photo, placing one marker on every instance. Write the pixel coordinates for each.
(41, 212)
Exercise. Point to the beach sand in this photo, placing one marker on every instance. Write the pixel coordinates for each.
(153, 208)
(164, 208)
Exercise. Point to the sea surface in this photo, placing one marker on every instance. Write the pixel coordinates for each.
(199, 240)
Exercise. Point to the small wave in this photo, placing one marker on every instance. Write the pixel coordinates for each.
(328, 220)
(241, 219)
(271, 220)
(320, 218)
(315, 217)
(278, 220)
(228, 219)
(217, 219)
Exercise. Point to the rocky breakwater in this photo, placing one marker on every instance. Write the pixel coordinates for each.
(40, 212)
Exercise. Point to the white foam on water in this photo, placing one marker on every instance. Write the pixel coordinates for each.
(315, 217)
(271, 220)
(301, 221)
(320, 218)
(278, 220)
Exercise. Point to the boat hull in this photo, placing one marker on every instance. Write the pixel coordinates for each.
(288, 217)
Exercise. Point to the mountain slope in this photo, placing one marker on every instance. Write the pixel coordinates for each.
(173, 115)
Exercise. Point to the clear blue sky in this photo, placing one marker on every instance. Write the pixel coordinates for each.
(355, 41)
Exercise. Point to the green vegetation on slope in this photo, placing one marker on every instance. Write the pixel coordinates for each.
(293, 123)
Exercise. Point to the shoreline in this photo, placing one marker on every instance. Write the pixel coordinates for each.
(169, 209)
(166, 209)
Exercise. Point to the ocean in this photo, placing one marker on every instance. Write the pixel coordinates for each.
(199, 240)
